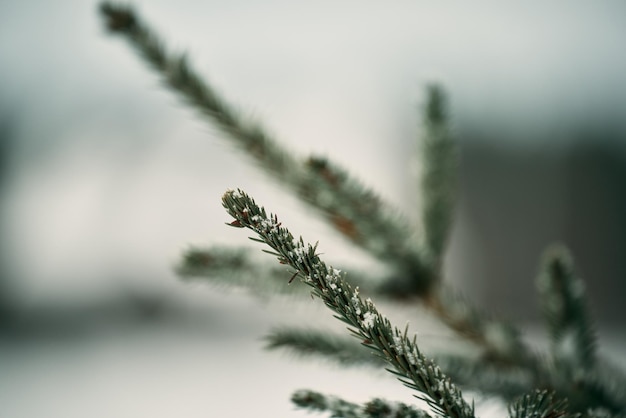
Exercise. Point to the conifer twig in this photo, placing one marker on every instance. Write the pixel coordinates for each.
(310, 342)
(562, 296)
(365, 322)
(233, 268)
(467, 371)
(355, 211)
(237, 268)
(360, 215)
(578, 372)
(438, 181)
(181, 78)
(376, 408)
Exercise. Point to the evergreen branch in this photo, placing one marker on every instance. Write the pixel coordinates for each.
(440, 161)
(365, 322)
(338, 197)
(339, 408)
(579, 372)
(309, 342)
(539, 404)
(562, 296)
(234, 267)
(412, 276)
(473, 373)
(182, 79)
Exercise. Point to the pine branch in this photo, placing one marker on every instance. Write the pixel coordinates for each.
(365, 322)
(182, 79)
(339, 408)
(579, 372)
(472, 373)
(440, 160)
(360, 215)
(562, 296)
(539, 404)
(317, 182)
(309, 342)
(356, 212)
(238, 268)
(234, 268)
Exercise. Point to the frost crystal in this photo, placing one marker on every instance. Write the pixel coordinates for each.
(369, 319)
(412, 355)
(333, 276)
(398, 344)
(298, 253)
(356, 302)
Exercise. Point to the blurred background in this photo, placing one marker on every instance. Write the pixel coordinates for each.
(105, 178)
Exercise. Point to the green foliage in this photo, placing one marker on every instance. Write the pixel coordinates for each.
(439, 176)
(563, 302)
(570, 379)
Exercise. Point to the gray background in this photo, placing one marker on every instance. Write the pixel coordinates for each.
(106, 178)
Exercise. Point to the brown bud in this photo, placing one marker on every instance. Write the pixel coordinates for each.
(236, 223)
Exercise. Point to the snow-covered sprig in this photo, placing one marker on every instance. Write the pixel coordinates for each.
(366, 323)
(562, 295)
(339, 408)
